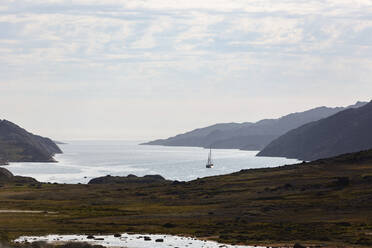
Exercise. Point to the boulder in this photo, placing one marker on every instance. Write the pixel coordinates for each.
(298, 246)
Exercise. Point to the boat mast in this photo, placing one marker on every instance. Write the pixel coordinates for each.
(210, 156)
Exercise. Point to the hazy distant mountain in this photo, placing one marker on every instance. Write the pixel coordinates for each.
(248, 136)
(18, 145)
(345, 132)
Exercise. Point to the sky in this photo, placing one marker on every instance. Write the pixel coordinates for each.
(146, 69)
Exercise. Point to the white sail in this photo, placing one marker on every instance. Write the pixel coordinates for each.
(209, 162)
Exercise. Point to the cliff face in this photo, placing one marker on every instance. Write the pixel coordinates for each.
(345, 132)
(248, 136)
(18, 145)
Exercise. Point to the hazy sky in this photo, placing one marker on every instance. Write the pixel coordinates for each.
(143, 69)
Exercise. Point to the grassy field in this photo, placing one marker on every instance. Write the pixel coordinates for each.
(324, 202)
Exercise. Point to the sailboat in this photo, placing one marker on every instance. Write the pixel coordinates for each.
(209, 162)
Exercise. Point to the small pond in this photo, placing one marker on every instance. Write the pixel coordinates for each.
(132, 241)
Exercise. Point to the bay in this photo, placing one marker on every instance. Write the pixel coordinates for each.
(84, 160)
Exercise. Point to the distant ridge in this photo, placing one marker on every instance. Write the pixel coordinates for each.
(18, 145)
(130, 179)
(345, 132)
(248, 136)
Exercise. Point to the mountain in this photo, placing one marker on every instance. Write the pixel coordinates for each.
(201, 137)
(248, 136)
(345, 132)
(18, 145)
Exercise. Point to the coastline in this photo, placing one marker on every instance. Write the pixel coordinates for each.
(104, 239)
(107, 241)
(132, 240)
(321, 202)
(85, 160)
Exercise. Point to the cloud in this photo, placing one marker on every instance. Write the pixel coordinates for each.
(182, 50)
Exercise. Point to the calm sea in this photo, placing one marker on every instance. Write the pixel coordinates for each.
(84, 160)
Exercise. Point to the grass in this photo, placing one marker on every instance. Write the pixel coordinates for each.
(326, 202)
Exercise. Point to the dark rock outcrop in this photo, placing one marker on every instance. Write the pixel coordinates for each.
(248, 136)
(18, 145)
(129, 179)
(345, 132)
(298, 246)
(7, 177)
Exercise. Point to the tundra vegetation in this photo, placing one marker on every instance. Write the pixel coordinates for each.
(323, 202)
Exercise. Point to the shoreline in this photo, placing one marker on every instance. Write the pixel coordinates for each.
(58, 240)
(321, 202)
(96, 238)
(123, 239)
(78, 163)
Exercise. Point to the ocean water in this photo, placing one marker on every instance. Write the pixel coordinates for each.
(84, 160)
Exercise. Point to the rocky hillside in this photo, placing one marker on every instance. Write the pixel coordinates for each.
(248, 136)
(5, 174)
(7, 177)
(18, 145)
(345, 132)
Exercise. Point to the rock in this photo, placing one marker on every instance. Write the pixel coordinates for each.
(342, 182)
(159, 240)
(90, 237)
(148, 179)
(117, 235)
(6, 177)
(298, 246)
(5, 174)
(75, 245)
(169, 225)
(147, 238)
